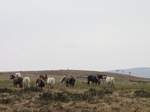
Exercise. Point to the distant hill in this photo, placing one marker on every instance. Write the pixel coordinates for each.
(138, 72)
(79, 74)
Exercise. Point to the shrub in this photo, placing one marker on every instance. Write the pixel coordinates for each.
(142, 93)
(5, 101)
(47, 96)
(61, 97)
(108, 91)
(66, 96)
(100, 92)
(3, 90)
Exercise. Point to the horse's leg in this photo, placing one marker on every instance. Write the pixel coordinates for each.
(107, 85)
(67, 85)
(45, 82)
(73, 83)
(99, 82)
(20, 85)
(41, 88)
(93, 82)
(112, 85)
(28, 85)
(88, 82)
(36, 87)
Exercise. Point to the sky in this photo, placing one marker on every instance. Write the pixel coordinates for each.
(94, 35)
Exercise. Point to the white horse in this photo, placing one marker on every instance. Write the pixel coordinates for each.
(26, 82)
(110, 81)
(51, 82)
(17, 74)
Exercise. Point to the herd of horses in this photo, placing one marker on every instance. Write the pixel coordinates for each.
(68, 81)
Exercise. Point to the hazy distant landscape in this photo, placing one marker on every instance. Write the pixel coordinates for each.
(138, 72)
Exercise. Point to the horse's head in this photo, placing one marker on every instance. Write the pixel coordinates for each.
(100, 76)
(40, 82)
(104, 76)
(12, 76)
(41, 76)
(63, 79)
(45, 75)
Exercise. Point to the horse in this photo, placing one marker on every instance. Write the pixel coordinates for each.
(110, 81)
(16, 80)
(69, 81)
(94, 79)
(40, 83)
(51, 82)
(44, 77)
(26, 82)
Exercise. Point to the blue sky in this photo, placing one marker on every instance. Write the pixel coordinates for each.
(83, 34)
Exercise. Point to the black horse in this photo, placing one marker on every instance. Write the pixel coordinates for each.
(94, 79)
(40, 83)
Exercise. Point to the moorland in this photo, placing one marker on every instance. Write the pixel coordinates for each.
(130, 94)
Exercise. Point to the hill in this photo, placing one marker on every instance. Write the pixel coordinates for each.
(138, 72)
(76, 73)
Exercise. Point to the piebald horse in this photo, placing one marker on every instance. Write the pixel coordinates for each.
(69, 81)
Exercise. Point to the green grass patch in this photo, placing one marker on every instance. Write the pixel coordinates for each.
(79, 86)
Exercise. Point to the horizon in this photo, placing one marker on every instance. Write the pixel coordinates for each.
(129, 71)
(77, 69)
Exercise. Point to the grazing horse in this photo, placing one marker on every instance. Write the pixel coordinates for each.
(26, 82)
(40, 83)
(16, 80)
(44, 77)
(69, 81)
(110, 81)
(94, 79)
(51, 82)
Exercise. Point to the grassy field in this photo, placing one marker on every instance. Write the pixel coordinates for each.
(126, 96)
